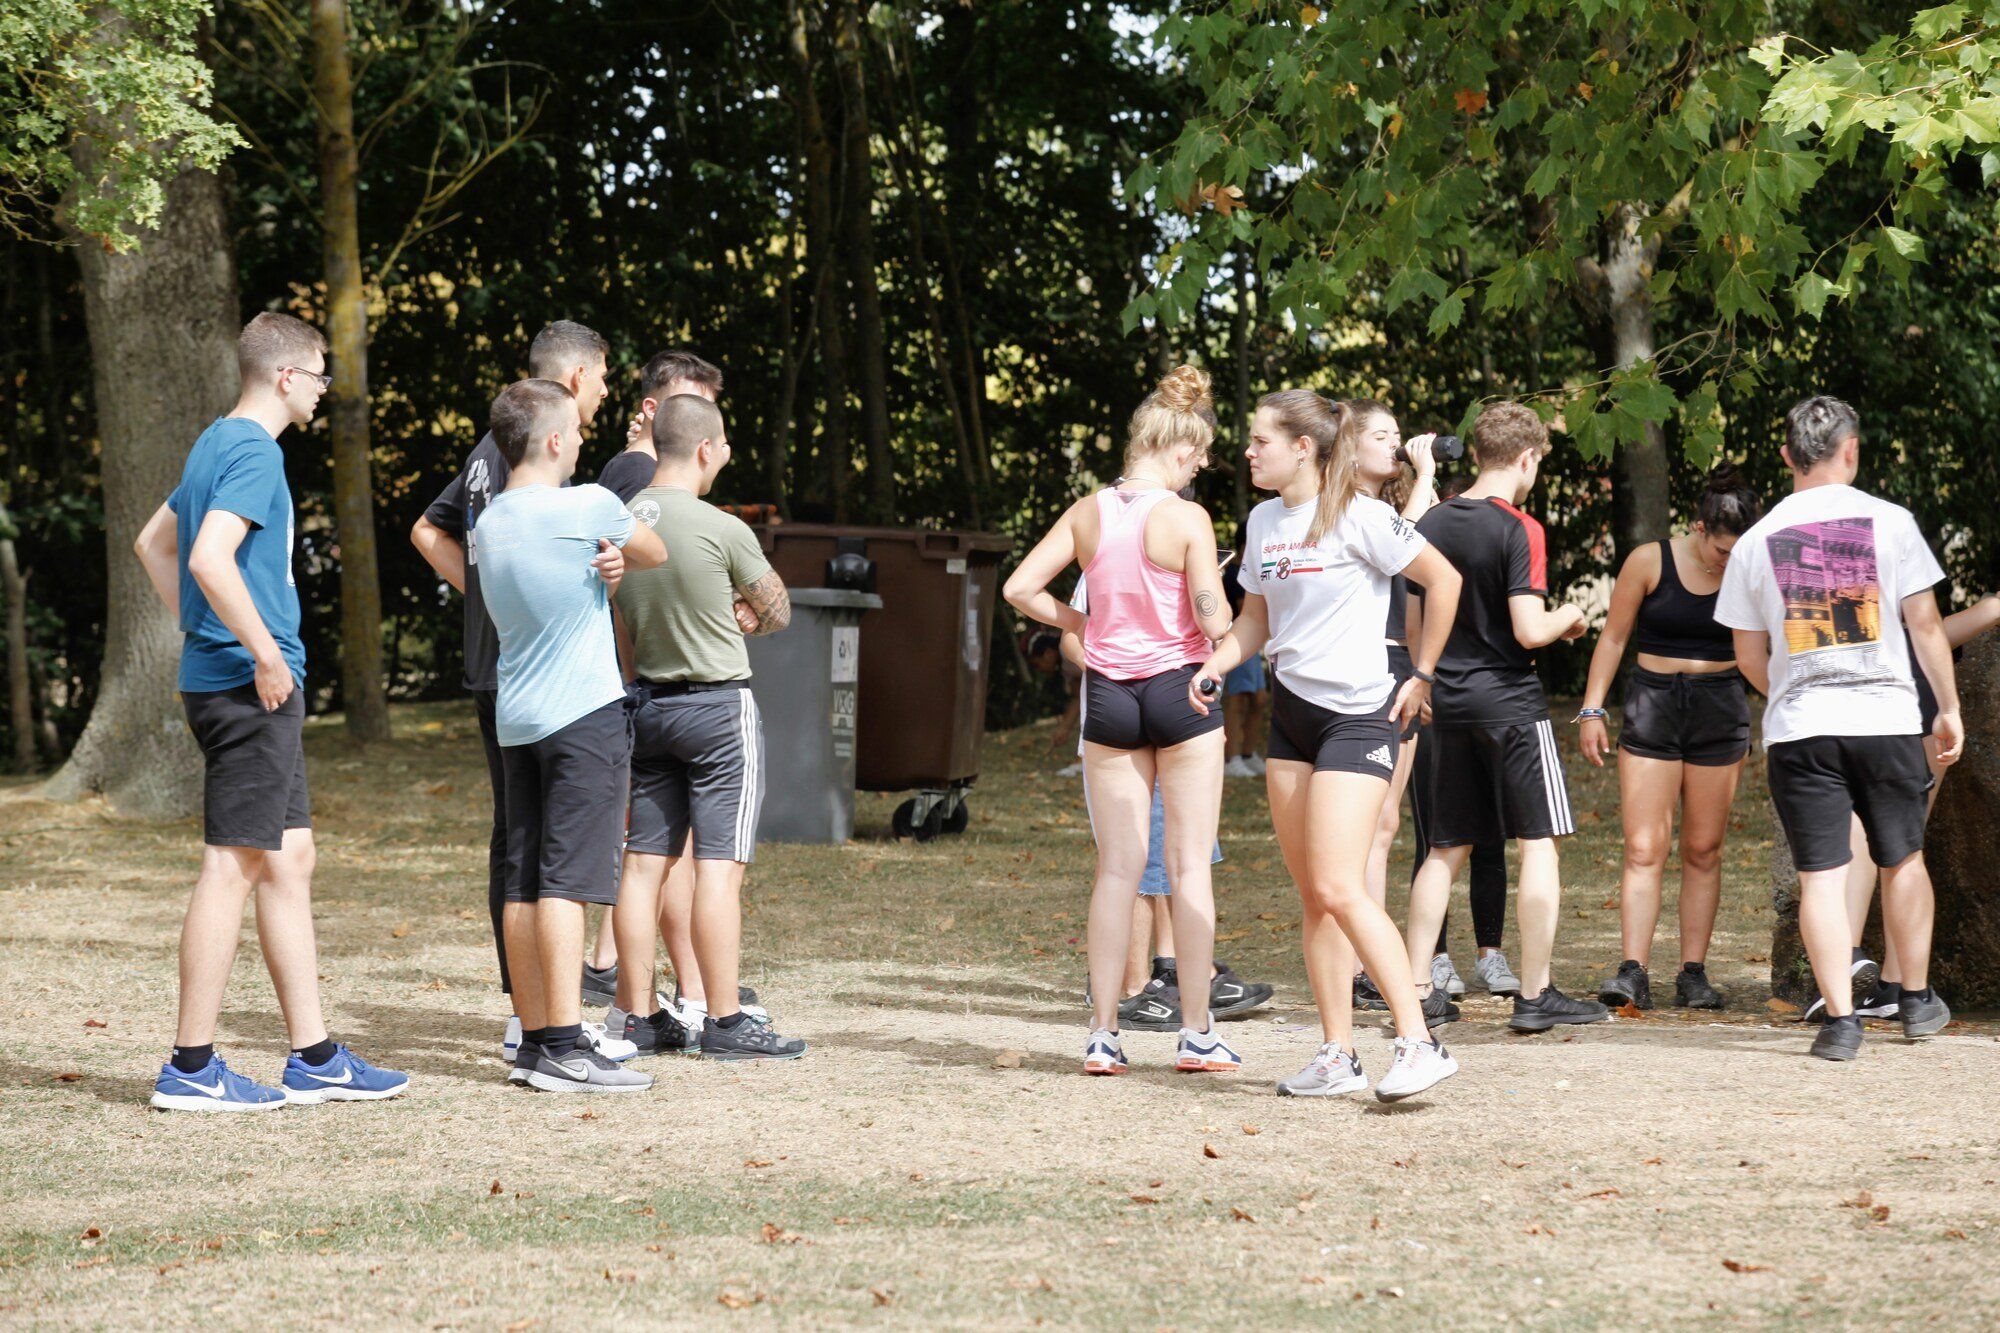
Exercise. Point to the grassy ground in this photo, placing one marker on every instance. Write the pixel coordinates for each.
(1651, 1171)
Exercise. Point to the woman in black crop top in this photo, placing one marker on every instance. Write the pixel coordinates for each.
(1686, 729)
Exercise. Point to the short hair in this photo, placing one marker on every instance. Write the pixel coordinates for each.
(1815, 427)
(1505, 431)
(271, 341)
(561, 347)
(525, 412)
(678, 364)
(681, 423)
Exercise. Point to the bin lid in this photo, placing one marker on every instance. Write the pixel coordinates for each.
(839, 598)
(930, 544)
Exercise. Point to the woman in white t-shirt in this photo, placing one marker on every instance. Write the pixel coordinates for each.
(1317, 565)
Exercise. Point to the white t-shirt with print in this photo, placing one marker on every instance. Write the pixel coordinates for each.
(1825, 574)
(1328, 603)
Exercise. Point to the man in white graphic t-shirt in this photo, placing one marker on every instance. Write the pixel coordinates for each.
(1818, 593)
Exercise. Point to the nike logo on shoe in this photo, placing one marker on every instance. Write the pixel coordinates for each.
(346, 1076)
(218, 1091)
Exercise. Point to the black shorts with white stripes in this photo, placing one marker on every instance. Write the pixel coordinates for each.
(1493, 782)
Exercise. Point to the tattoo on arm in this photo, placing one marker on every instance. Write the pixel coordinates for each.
(1204, 605)
(768, 598)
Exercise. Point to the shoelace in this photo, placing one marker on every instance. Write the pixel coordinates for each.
(1329, 1058)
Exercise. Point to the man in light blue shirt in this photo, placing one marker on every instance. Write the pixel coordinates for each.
(560, 718)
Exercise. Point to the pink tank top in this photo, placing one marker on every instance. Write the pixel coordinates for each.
(1140, 622)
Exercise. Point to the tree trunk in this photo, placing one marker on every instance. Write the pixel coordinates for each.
(967, 164)
(825, 264)
(361, 683)
(20, 686)
(163, 321)
(788, 387)
(858, 232)
(1641, 501)
(1239, 350)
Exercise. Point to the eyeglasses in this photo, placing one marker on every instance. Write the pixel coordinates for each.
(324, 380)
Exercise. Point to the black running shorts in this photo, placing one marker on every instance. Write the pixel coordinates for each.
(697, 762)
(566, 809)
(1702, 720)
(1493, 782)
(1153, 713)
(1819, 782)
(254, 766)
(1331, 742)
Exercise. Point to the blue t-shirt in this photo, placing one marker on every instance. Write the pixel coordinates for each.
(238, 468)
(558, 656)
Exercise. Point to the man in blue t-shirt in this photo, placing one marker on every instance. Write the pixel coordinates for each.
(219, 553)
(560, 721)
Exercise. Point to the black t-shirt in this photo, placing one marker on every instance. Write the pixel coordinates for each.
(456, 511)
(1486, 678)
(1399, 593)
(629, 472)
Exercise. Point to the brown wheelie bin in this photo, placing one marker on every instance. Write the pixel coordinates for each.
(923, 660)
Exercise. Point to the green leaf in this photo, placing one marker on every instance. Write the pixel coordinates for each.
(1809, 294)
(1932, 24)
(1907, 244)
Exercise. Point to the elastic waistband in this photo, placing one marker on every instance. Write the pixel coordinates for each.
(669, 689)
(1731, 677)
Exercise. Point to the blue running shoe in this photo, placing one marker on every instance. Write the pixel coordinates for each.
(215, 1088)
(345, 1078)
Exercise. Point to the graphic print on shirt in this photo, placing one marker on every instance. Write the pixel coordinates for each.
(478, 482)
(1827, 574)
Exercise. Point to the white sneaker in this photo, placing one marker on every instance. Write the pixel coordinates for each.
(596, 1038)
(1071, 770)
(1103, 1054)
(510, 1043)
(1445, 977)
(1205, 1053)
(1236, 767)
(1418, 1065)
(1496, 975)
(1331, 1073)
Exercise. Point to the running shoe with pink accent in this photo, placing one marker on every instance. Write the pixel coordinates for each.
(1103, 1055)
(1204, 1052)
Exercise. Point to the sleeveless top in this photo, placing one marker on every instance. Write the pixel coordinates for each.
(1140, 622)
(1674, 622)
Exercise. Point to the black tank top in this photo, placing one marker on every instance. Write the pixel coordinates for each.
(1674, 622)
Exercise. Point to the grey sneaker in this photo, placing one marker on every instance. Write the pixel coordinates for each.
(1331, 1073)
(1445, 977)
(1923, 1017)
(600, 984)
(1495, 975)
(584, 1070)
(657, 1034)
(752, 1039)
(525, 1056)
(1438, 1009)
(1838, 1039)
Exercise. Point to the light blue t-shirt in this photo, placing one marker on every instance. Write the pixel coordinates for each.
(558, 656)
(238, 468)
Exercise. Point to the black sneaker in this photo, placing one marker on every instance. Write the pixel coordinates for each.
(1631, 986)
(1838, 1039)
(1230, 996)
(1922, 1017)
(1366, 998)
(1438, 1009)
(600, 985)
(752, 1039)
(659, 1034)
(1692, 991)
(745, 996)
(1864, 974)
(1552, 1008)
(1885, 1000)
(1157, 1008)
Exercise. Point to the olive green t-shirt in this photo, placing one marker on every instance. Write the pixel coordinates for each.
(679, 615)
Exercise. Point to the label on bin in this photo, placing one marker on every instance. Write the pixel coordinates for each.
(846, 654)
(842, 725)
(955, 565)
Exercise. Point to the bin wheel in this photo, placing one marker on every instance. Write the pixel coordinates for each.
(904, 822)
(933, 824)
(955, 822)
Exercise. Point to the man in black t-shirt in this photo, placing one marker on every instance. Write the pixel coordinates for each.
(1495, 770)
(446, 537)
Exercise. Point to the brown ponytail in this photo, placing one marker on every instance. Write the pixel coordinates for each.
(1334, 428)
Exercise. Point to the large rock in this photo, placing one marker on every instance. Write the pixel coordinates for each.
(1962, 849)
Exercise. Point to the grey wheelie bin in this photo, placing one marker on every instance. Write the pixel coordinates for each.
(804, 678)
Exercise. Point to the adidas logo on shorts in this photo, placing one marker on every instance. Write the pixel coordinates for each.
(1380, 755)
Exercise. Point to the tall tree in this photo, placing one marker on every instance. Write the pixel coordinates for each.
(858, 246)
(823, 258)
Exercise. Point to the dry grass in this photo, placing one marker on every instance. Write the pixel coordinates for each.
(1654, 1171)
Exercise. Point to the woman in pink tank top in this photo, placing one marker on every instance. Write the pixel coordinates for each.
(1155, 606)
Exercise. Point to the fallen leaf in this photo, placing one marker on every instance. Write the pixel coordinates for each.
(92, 1233)
(756, 1161)
(439, 789)
(588, 1115)
(738, 1301)
(1208, 1151)
(1393, 1293)
(1861, 1200)
(402, 929)
(1954, 1233)
(1650, 1161)
(622, 1275)
(916, 1175)
(495, 1189)
(1735, 1267)
(1629, 1010)
(68, 1076)
(1756, 958)
(94, 1023)
(1267, 916)
(774, 1234)
(1612, 1193)
(1142, 1198)
(1778, 1006)
(1241, 1215)
(1471, 102)
(1880, 1212)
(1374, 1224)
(1007, 1060)
(521, 1326)
(881, 1297)
(1516, 1165)
(1253, 1129)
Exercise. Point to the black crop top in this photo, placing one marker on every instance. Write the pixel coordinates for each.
(1674, 622)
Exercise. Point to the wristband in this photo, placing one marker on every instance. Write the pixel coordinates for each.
(1423, 675)
(1590, 715)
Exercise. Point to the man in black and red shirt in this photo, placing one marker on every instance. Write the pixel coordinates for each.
(1496, 772)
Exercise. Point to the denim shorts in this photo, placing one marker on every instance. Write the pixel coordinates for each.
(1153, 884)
(1248, 678)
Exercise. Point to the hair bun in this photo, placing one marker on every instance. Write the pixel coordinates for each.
(1724, 478)
(1185, 389)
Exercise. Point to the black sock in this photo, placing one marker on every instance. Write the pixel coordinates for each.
(1633, 962)
(1859, 954)
(193, 1059)
(1920, 996)
(730, 1023)
(657, 1018)
(534, 1036)
(1699, 969)
(318, 1053)
(560, 1041)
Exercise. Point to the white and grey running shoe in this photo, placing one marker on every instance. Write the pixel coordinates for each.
(1205, 1053)
(1494, 974)
(1102, 1054)
(1331, 1073)
(510, 1041)
(584, 1070)
(1417, 1066)
(598, 1039)
(1445, 977)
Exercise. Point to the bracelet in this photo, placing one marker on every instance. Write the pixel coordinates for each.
(1590, 715)
(1423, 675)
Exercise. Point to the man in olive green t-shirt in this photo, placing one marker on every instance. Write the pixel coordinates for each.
(697, 739)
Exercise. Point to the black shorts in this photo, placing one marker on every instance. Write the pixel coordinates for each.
(1141, 714)
(1493, 782)
(1699, 720)
(1819, 782)
(697, 762)
(254, 766)
(566, 809)
(1331, 742)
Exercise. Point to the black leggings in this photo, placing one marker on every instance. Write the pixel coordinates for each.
(1489, 865)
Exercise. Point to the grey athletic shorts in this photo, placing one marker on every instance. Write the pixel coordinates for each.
(254, 766)
(697, 759)
(565, 802)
